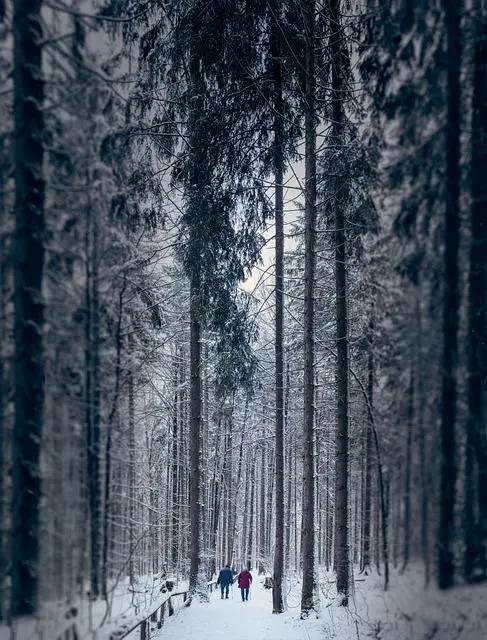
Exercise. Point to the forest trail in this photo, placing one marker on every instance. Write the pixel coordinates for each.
(232, 618)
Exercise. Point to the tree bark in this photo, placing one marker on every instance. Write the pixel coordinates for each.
(406, 550)
(93, 397)
(215, 501)
(238, 483)
(131, 474)
(288, 471)
(309, 435)
(277, 600)
(448, 467)
(3, 396)
(476, 445)
(261, 518)
(28, 253)
(175, 515)
(421, 400)
(108, 511)
(251, 514)
(342, 457)
(195, 429)
(367, 509)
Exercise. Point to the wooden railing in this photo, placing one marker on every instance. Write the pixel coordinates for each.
(156, 614)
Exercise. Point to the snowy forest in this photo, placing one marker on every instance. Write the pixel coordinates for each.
(243, 312)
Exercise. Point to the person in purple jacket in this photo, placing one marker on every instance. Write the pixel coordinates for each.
(225, 579)
(244, 581)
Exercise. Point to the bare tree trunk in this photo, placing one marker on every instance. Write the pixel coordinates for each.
(342, 458)
(269, 510)
(367, 509)
(3, 382)
(261, 518)
(356, 535)
(229, 486)
(277, 600)
(295, 505)
(448, 469)
(397, 519)
(407, 476)
(131, 475)
(422, 440)
(195, 429)
(252, 513)
(215, 500)
(288, 471)
(383, 493)
(108, 511)
(175, 512)
(93, 395)
(236, 496)
(475, 560)
(309, 435)
(329, 513)
(245, 511)
(28, 254)
(205, 473)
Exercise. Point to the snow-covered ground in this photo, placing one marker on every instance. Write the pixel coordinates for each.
(94, 619)
(233, 619)
(406, 612)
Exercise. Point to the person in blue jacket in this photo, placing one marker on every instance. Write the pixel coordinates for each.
(225, 579)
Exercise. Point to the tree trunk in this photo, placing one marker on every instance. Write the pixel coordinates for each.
(195, 429)
(448, 469)
(407, 476)
(367, 509)
(28, 254)
(238, 483)
(93, 396)
(269, 510)
(309, 435)
(421, 400)
(132, 506)
(261, 518)
(288, 471)
(341, 500)
(251, 514)
(3, 396)
(476, 450)
(174, 463)
(205, 474)
(277, 600)
(329, 513)
(245, 512)
(108, 512)
(215, 501)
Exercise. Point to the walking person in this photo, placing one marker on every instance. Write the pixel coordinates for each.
(225, 579)
(244, 580)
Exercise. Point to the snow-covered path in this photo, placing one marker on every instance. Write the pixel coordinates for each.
(235, 620)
